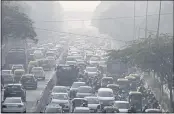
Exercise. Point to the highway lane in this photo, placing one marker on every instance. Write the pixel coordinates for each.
(34, 95)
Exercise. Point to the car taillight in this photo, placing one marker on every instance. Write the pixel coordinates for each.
(4, 106)
(19, 106)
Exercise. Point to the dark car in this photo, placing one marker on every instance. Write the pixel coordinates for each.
(15, 90)
(29, 81)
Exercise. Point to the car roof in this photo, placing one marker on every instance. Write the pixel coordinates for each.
(18, 84)
(6, 70)
(135, 92)
(105, 89)
(121, 102)
(158, 110)
(60, 87)
(82, 108)
(79, 99)
(13, 98)
(92, 97)
(107, 78)
(122, 79)
(19, 70)
(79, 82)
(60, 93)
(37, 67)
(85, 86)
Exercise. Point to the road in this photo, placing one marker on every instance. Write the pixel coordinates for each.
(34, 95)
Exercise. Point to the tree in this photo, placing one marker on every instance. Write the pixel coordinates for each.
(150, 54)
(15, 23)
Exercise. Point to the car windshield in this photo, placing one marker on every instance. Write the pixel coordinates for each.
(60, 90)
(93, 100)
(108, 81)
(70, 59)
(81, 111)
(18, 72)
(122, 105)
(85, 90)
(60, 96)
(105, 94)
(91, 69)
(76, 85)
(12, 101)
(14, 88)
(18, 67)
(94, 59)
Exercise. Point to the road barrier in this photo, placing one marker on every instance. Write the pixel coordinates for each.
(43, 101)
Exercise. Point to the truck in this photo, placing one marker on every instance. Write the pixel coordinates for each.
(66, 74)
(16, 56)
(116, 68)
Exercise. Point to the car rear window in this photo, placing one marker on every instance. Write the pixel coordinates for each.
(12, 101)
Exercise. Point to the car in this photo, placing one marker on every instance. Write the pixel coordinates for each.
(52, 61)
(7, 76)
(91, 71)
(70, 58)
(53, 108)
(60, 89)
(38, 72)
(17, 66)
(74, 88)
(123, 106)
(50, 53)
(13, 105)
(15, 90)
(62, 99)
(78, 102)
(81, 110)
(94, 60)
(71, 63)
(93, 103)
(29, 81)
(18, 74)
(38, 54)
(153, 111)
(105, 96)
(84, 91)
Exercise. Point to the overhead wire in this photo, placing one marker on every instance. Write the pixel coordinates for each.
(99, 19)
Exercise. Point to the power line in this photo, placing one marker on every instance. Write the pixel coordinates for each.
(78, 34)
(100, 19)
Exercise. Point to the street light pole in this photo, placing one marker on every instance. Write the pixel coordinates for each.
(146, 19)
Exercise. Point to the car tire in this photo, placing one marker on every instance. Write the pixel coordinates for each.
(25, 111)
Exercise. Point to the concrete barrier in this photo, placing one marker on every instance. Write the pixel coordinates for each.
(43, 101)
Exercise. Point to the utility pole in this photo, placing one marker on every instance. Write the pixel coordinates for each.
(146, 19)
(134, 23)
(159, 20)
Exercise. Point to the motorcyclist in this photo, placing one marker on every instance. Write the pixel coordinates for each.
(132, 109)
(145, 107)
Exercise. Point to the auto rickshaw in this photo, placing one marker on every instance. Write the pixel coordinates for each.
(135, 99)
(18, 74)
(78, 102)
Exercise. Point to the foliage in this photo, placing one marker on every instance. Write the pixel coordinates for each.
(150, 54)
(15, 23)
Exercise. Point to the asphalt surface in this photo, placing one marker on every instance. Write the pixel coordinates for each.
(34, 95)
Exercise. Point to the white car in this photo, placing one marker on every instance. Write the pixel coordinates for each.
(71, 63)
(62, 99)
(94, 60)
(13, 105)
(81, 110)
(91, 71)
(93, 103)
(38, 72)
(123, 106)
(84, 91)
(106, 96)
(60, 89)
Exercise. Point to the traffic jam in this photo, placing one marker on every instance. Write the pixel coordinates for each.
(86, 80)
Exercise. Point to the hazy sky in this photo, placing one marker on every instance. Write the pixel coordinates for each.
(79, 5)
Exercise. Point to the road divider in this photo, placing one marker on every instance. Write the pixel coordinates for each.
(43, 101)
